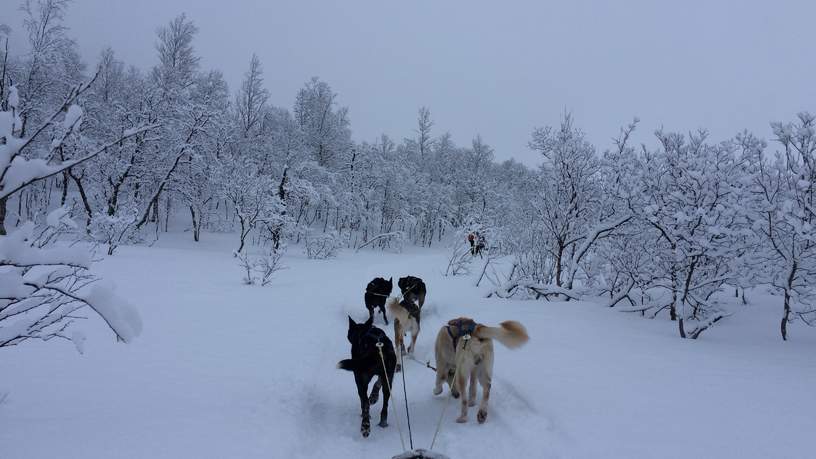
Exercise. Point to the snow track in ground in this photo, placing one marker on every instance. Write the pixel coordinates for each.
(226, 370)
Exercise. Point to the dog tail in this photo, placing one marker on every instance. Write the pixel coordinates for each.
(347, 364)
(510, 333)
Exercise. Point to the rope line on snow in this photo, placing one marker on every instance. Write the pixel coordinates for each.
(405, 395)
(426, 364)
(393, 403)
(465, 339)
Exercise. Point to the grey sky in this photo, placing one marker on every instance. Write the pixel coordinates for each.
(497, 68)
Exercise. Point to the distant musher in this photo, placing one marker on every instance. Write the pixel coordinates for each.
(477, 243)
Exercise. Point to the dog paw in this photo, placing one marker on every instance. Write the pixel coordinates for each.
(397, 368)
(383, 423)
(374, 398)
(365, 428)
(437, 390)
(471, 403)
(461, 419)
(455, 393)
(481, 416)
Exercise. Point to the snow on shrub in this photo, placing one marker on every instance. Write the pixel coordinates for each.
(260, 269)
(114, 230)
(45, 285)
(393, 241)
(322, 246)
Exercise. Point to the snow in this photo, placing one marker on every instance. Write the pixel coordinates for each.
(72, 117)
(18, 327)
(58, 216)
(227, 370)
(15, 248)
(13, 98)
(23, 171)
(121, 316)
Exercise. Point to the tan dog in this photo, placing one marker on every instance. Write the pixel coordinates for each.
(465, 349)
(406, 319)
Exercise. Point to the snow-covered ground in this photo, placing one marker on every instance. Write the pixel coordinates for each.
(224, 370)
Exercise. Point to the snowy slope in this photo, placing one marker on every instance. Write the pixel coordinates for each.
(225, 370)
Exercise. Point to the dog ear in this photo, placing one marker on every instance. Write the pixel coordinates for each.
(352, 323)
(369, 322)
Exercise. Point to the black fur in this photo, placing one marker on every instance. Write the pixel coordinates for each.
(377, 291)
(366, 363)
(413, 289)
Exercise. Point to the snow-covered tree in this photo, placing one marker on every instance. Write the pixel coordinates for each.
(46, 284)
(251, 101)
(694, 196)
(570, 208)
(784, 188)
(325, 126)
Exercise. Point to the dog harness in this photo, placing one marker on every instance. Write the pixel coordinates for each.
(412, 308)
(372, 285)
(373, 334)
(462, 326)
(412, 286)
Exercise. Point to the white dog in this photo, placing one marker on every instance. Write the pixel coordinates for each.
(406, 319)
(464, 349)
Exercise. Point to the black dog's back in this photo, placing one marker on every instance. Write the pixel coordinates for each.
(413, 289)
(376, 293)
(365, 356)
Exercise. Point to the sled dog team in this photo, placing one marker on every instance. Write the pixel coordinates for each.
(463, 349)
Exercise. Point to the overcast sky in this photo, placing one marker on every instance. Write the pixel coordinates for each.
(497, 68)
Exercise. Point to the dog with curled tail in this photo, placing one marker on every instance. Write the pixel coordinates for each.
(464, 356)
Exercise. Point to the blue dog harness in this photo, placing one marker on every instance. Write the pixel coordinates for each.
(463, 327)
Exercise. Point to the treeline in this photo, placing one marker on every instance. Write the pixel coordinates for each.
(229, 161)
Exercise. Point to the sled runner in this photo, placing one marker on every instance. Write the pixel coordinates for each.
(420, 454)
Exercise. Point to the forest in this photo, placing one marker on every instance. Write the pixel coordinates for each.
(108, 154)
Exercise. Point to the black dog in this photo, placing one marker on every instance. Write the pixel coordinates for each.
(376, 293)
(366, 363)
(413, 289)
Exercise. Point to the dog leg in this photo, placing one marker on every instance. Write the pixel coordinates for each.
(461, 383)
(375, 392)
(485, 381)
(398, 336)
(472, 389)
(399, 347)
(386, 397)
(413, 342)
(362, 387)
(441, 377)
(452, 383)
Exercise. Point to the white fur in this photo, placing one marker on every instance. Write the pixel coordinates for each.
(403, 323)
